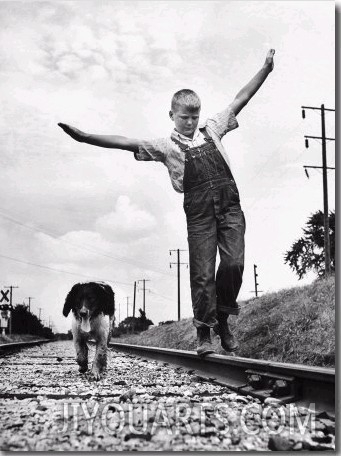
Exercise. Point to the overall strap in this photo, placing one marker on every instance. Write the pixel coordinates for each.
(207, 136)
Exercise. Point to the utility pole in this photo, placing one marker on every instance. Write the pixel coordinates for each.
(134, 303)
(29, 302)
(325, 182)
(40, 309)
(256, 291)
(144, 292)
(178, 263)
(127, 313)
(10, 287)
(256, 283)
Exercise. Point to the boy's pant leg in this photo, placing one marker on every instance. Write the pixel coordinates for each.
(231, 230)
(202, 245)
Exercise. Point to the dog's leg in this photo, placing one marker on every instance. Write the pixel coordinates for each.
(82, 354)
(81, 349)
(111, 322)
(100, 360)
(101, 328)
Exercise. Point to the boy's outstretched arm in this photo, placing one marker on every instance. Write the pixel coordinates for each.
(248, 91)
(109, 141)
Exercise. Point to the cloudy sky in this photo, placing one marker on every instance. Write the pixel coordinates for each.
(71, 212)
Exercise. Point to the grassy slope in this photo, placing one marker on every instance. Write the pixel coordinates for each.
(294, 325)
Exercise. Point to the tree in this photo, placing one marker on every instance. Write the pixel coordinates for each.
(24, 322)
(307, 253)
(133, 324)
(144, 321)
(128, 325)
(167, 322)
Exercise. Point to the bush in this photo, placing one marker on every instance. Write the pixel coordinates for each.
(24, 322)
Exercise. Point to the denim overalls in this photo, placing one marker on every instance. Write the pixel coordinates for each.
(214, 218)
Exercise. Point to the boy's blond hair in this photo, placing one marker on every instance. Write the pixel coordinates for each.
(187, 98)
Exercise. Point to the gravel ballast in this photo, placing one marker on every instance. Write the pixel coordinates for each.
(140, 405)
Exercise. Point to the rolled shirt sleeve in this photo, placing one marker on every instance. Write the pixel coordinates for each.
(152, 150)
(223, 122)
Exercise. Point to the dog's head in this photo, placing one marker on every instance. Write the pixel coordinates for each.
(88, 300)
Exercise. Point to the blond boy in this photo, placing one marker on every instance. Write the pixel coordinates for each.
(199, 167)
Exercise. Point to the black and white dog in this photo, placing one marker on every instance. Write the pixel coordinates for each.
(93, 308)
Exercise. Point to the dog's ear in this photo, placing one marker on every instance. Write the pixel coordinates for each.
(107, 299)
(70, 299)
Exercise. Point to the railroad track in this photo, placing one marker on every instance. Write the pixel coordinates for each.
(263, 379)
(157, 399)
(12, 346)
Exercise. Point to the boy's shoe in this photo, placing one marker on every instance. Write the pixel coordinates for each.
(205, 346)
(227, 339)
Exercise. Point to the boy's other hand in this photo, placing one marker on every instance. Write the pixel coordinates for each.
(269, 61)
(73, 132)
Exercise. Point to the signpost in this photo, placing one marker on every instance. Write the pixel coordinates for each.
(5, 315)
(5, 310)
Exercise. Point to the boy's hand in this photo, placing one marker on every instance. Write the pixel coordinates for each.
(269, 61)
(73, 132)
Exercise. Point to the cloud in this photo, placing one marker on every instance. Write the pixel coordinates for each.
(127, 222)
(111, 68)
(73, 247)
(69, 64)
(123, 49)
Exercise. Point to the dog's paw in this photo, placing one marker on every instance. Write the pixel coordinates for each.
(96, 374)
(83, 369)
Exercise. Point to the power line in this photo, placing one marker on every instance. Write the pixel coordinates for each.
(91, 249)
(273, 155)
(324, 139)
(62, 271)
(162, 296)
(301, 154)
(81, 275)
(266, 190)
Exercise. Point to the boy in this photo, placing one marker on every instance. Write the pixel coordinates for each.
(199, 168)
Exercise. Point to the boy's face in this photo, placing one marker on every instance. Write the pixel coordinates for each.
(186, 119)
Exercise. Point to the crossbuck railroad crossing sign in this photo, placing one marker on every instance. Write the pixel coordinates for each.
(4, 298)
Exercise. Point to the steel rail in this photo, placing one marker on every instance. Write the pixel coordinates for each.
(304, 385)
(17, 345)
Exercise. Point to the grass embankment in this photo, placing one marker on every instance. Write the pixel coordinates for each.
(17, 338)
(295, 325)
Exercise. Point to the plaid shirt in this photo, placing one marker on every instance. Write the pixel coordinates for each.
(166, 151)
